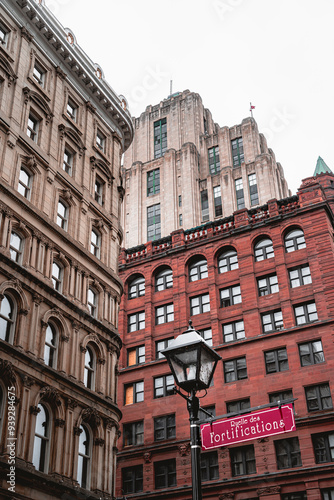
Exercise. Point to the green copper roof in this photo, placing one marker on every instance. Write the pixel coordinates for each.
(321, 167)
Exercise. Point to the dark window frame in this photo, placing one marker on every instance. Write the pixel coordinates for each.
(234, 332)
(275, 322)
(263, 251)
(138, 321)
(209, 466)
(267, 285)
(306, 313)
(166, 283)
(140, 357)
(133, 433)
(300, 278)
(167, 386)
(139, 290)
(323, 450)
(200, 305)
(237, 371)
(214, 161)
(198, 269)
(312, 353)
(135, 482)
(247, 464)
(230, 299)
(278, 363)
(160, 137)
(317, 400)
(165, 426)
(290, 456)
(153, 177)
(165, 474)
(167, 316)
(238, 157)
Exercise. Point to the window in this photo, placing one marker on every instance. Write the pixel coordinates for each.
(92, 302)
(98, 190)
(205, 205)
(163, 386)
(276, 360)
(267, 285)
(136, 321)
(202, 415)
(84, 458)
(239, 191)
(165, 474)
(33, 126)
(50, 347)
(295, 496)
(160, 346)
(180, 220)
(132, 479)
(133, 434)
(206, 335)
(57, 276)
(136, 355)
(39, 74)
(71, 109)
(3, 35)
(272, 321)
(153, 222)
(230, 296)
(235, 369)
(280, 396)
(237, 152)
(288, 453)
(209, 466)
(68, 161)
(238, 406)
(300, 275)
(327, 494)
(16, 247)
(100, 141)
(160, 138)
(318, 397)
(164, 314)
(153, 182)
(198, 270)
(90, 367)
(95, 243)
(311, 353)
(234, 331)
(306, 313)
(42, 439)
(164, 280)
(294, 240)
(137, 287)
(164, 427)
(199, 304)
(134, 393)
(217, 201)
(214, 163)
(7, 318)
(263, 250)
(254, 196)
(25, 181)
(323, 445)
(228, 261)
(243, 460)
(180, 200)
(62, 215)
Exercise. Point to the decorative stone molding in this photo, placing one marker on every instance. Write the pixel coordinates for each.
(83, 349)
(269, 490)
(39, 101)
(76, 430)
(51, 394)
(91, 416)
(225, 496)
(183, 449)
(59, 422)
(60, 73)
(7, 372)
(26, 34)
(99, 442)
(147, 457)
(34, 410)
(71, 403)
(27, 381)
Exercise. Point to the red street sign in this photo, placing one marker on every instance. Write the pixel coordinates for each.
(255, 425)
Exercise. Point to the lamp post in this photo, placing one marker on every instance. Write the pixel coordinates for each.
(192, 362)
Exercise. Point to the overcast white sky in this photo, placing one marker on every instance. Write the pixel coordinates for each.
(278, 54)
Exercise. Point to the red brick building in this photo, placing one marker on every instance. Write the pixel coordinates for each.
(259, 286)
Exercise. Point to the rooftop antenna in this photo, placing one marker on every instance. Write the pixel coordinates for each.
(171, 87)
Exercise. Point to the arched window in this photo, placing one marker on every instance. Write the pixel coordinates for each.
(90, 367)
(84, 457)
(42, 439)
(25, 182)
(62, 214)
(57, 276)
(16, 247)
(264, 249)
(51, 343)
(92, 302)
(198, 269)
(95, 243)
(227, 261)
(294, 240)
(7, 318)
(137, 287)
(164, 280)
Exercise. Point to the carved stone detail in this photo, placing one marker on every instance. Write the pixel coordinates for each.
(269, 490)
(148, 457)
(91, 416)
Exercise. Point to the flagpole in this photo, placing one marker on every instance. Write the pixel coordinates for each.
(251, 109)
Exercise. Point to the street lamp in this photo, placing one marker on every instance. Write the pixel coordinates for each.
(192, 362)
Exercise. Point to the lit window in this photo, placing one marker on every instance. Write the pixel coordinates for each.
(33, 126)
(217, 201)
(39, 74)
(136, 355)
(164, 314)
(164, 280)
(160, 138)
(84, 458)
(243, 460)
(92, 302)
(237, 152)
(288, 453)
(25, 181)
(134, 393)
(136, 321)
(294, 240)
(42, 439)
(254, 196)
(7, 318)
(71, 109)
(95, 243)
(16, 247)
(199, 304)
(68, 161)
(239, 190)
(234, 331)
(228, 261)
(62, 215)
(137, 287)
(153, 222)
(57, 276)
(263, 250)
(133, 434)
(153, 182)
(90, 366)
(276, 360)
(198, 270)
(100, 141)
(50, 348)
(214, 163)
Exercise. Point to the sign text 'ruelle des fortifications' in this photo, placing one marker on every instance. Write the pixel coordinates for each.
(246, 427)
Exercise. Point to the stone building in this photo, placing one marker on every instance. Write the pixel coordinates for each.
(63, 131)
(182, 169)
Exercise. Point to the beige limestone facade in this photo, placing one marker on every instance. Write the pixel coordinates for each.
(63, 131)
(182, 169)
